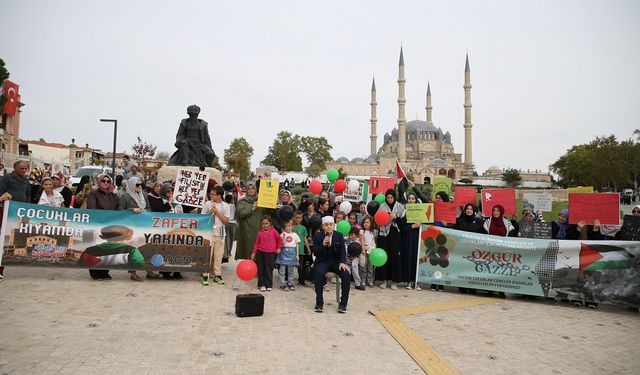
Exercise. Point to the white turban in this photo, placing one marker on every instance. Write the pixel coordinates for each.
(327, 219)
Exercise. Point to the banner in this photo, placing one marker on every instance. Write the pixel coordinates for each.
(580, 189)
(356, 196)
(464, 195)
(191, 187)
(446, 212)
(590, 206)
(441, 184)
(46, 236)
(419, 212)
(505, 197)
(578, 271)
(380, 185)
(540, 201)
(268, 194)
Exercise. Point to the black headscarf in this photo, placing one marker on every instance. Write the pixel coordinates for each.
(469, 218)
(391, 192)
(83, 181)
(443, 195)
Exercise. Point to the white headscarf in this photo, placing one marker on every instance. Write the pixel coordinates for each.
(138, 196)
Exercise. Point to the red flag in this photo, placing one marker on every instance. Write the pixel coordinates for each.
(11, 91)
(240, 192)
(399, 172)
(588, 256)
(504, 197)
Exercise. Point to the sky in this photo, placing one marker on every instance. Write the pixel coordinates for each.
(546, 75)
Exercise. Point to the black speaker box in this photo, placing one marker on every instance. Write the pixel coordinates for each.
(249, 305)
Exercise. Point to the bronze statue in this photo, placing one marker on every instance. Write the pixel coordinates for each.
(193, 141)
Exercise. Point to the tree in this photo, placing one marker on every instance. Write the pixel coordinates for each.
(163, 155)
(284, 153)
(238, 157)
(4, 75)
(314, 170)
(511, 177)
(317, 150)
(142, 151)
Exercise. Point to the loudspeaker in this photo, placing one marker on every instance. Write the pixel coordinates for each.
(249, 305)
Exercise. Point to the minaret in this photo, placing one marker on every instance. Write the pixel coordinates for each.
(429, 107)
(402, 152)
(468, 160)
(374, 119)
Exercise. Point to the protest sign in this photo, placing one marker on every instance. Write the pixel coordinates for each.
(590, 206)
(446, 212)
(540, 201)
(580, 189)
(268, 194)
(46, 236)
(191, 187)
(464, 195)
(441, 184)
(542, 230)
(419, 212)
(630, 230)
(362, 194)
(504, 197)
(578, 271)
(380, 185)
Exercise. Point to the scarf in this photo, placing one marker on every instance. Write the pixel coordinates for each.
(468, 218)
(250, 198)
(562, 227)
(496, 224)
(138, 196)
(393, 194)
(152, 193)
(100, 186)
(163, 191)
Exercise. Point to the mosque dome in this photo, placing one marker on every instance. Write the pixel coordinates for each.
(342, 159)
(357, 160)
(420, 126)
(494, 168)
(370, 159)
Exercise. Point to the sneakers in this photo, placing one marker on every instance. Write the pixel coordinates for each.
(292, 288)
(218, 280)
(263, 289)
(318, 308)
(361, 287)
(136, 277)
(283, 287)
(408, 287)
(418, 288)
(383, 285)
(205, 281)
(393, 286)
(342, 309)
(371, 284)
(268, 289)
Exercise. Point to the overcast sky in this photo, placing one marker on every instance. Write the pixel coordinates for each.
(546, 74)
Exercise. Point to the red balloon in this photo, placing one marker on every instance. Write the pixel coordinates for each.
(339, 186)
(246, 270)
(381, 217)
(315, 187)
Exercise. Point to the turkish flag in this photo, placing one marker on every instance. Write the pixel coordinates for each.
(11, 91)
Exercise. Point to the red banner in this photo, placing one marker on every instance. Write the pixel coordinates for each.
(462, 196)
(11, 92)
(380, 185)
(590, 206)
(445, 211)
(504, 197)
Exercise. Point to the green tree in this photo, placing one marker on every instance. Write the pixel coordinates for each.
(284, 153)
(317, 150)
(314, 170)
(511, 177)
(4, 75)
(238, 157)
(141, 152)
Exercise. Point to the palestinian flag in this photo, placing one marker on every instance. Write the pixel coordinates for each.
(603, 257)
(402, 182)
(110, 254)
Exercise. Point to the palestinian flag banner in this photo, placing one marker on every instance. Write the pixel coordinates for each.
(43, 236)
(582, 272)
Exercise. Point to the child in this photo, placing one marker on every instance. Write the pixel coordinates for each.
(368, 242)
(288, 256)
(353, 220)
(268, 243)
(362, 211)
(339, 216)
(304, 251)
(353, 256)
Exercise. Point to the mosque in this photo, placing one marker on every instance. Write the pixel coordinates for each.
(424, 150)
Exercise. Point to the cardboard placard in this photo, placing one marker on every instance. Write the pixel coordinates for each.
(268, 194)
(541, 230)
(420, 213)
(580, 189)
(356, 196)
(464, 195)
(191, 187)
(504, 197)
(446, 212)
(540, 201)
(590, 206)
(441, 184)
(380, 185)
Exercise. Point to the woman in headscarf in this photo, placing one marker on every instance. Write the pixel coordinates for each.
(102, 198)
(410, 235)
(154, 195)
(48, 196)
(165, 204)
(469, 222)
(249, 216)
(562, 230)
(59, 185)
(498, 225)
(389, 241)
(279, 216)
(80, 199)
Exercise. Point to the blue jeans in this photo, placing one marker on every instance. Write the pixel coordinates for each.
(286, 269)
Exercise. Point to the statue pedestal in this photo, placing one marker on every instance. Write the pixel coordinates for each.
(169, 172)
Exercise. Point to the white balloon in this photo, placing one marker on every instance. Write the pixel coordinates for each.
(345, 207)
(354, 185)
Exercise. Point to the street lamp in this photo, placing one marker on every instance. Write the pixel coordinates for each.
(115, 135)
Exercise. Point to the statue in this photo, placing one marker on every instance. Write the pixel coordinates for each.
(193, 141)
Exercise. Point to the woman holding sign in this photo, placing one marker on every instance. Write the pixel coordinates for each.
(249, 216)
(389, 241)
(410, 235)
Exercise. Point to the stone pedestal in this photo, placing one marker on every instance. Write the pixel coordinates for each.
(169, 172)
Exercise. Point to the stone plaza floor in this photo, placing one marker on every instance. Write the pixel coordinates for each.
(59, 321)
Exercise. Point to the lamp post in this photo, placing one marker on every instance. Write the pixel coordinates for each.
(115, 135)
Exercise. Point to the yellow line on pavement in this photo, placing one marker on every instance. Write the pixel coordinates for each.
(422, 353)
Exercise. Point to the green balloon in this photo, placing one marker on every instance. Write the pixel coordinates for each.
(332, 174)
(344, 227)
(378, 257)
(379, 198)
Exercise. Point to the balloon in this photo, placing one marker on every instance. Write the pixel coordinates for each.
(315, 187)
(380, 198)
(314, 221)
(372, 207)
(345, 207)
(339, 186)
(246, 270)
(378, 257)
(381, 217)
(285, 213)
(353, 185)
(332, 174)
(228, 186)
(344, 227)
(354, 249)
